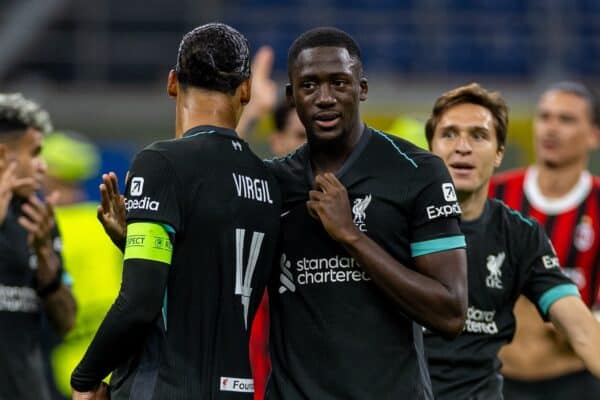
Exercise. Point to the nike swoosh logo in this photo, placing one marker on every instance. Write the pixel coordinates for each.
(283, 214)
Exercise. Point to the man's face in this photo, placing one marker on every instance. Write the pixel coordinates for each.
(326, 89)
(563, 131)
(26, 151)
(465, 138)
(290, 138)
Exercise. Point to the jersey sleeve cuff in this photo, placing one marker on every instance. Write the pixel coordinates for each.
(556, 293)
(436, 245)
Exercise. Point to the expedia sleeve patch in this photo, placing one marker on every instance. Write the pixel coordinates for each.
(152, 191)
(148, 241)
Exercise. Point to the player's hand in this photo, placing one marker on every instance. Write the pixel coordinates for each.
(101, 393)
(263, 92)
(264, 89)
(329, 204)
(38, 219)
(111, 211)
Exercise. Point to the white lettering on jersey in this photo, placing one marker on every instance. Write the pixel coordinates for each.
(236, 145)
(434, 212)
(252, 188)
(240, 385)
(550, 262)
(480, 321)
(143, 204)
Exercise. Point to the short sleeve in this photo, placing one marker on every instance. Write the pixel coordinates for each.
(151, 191)
(544, 281)
(435, 210)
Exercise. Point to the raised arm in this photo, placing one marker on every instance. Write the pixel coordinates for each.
(111, 211)
(434, 295)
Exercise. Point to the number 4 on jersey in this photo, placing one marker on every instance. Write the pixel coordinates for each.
(242, 284)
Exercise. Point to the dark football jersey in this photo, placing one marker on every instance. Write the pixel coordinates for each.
(572, 222)
(507, 255)
(22, 374)
(222, 206)
(334, 333)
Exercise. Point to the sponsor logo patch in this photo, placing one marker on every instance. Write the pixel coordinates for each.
(137, 186)
(145, 203)
(447, 210)
(240, 385)
(449, 192)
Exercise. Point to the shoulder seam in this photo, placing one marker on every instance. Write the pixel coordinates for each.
(515, 212)
(395, 146)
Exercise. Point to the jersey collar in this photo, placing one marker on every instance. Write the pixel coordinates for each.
(202, 129)
(551, 206)
(356, 152)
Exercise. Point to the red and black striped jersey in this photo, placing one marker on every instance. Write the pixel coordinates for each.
(572, 222)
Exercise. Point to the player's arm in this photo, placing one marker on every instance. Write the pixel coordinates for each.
(557, 298)
(147, 258)
(146, 261)
(573, 319)
(434, 295)
(56, 296)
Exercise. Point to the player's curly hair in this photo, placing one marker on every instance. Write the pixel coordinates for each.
(324, 37)
(214, 56)
(17, 114)
(473, 94)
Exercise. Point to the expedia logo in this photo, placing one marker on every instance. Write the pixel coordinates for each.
(145, 203)
(434, 212)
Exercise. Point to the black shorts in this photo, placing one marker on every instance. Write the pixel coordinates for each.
(578, 385)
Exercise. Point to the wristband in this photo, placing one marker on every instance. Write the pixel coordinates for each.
(50, 288)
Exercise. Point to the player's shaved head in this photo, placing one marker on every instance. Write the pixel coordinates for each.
(214, 56)
(324, 37)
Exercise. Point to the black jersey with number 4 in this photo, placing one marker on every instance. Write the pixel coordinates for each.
(222, 206)
(507, 256)
(334, 333)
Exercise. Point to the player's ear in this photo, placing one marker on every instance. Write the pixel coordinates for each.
(499, 156)
(172, 84)
(289, 95)
(245, 90)
(364, 89)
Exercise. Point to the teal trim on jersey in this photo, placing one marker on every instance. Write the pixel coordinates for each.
(200, 133)
(403, 154)
(164, 309)
(517, 213)
(556, 293)
(169, 228)
(433, 246)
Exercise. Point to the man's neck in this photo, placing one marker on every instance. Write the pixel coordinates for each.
(330, 156)
(210, 109)
(556, 182)
(472, 203)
